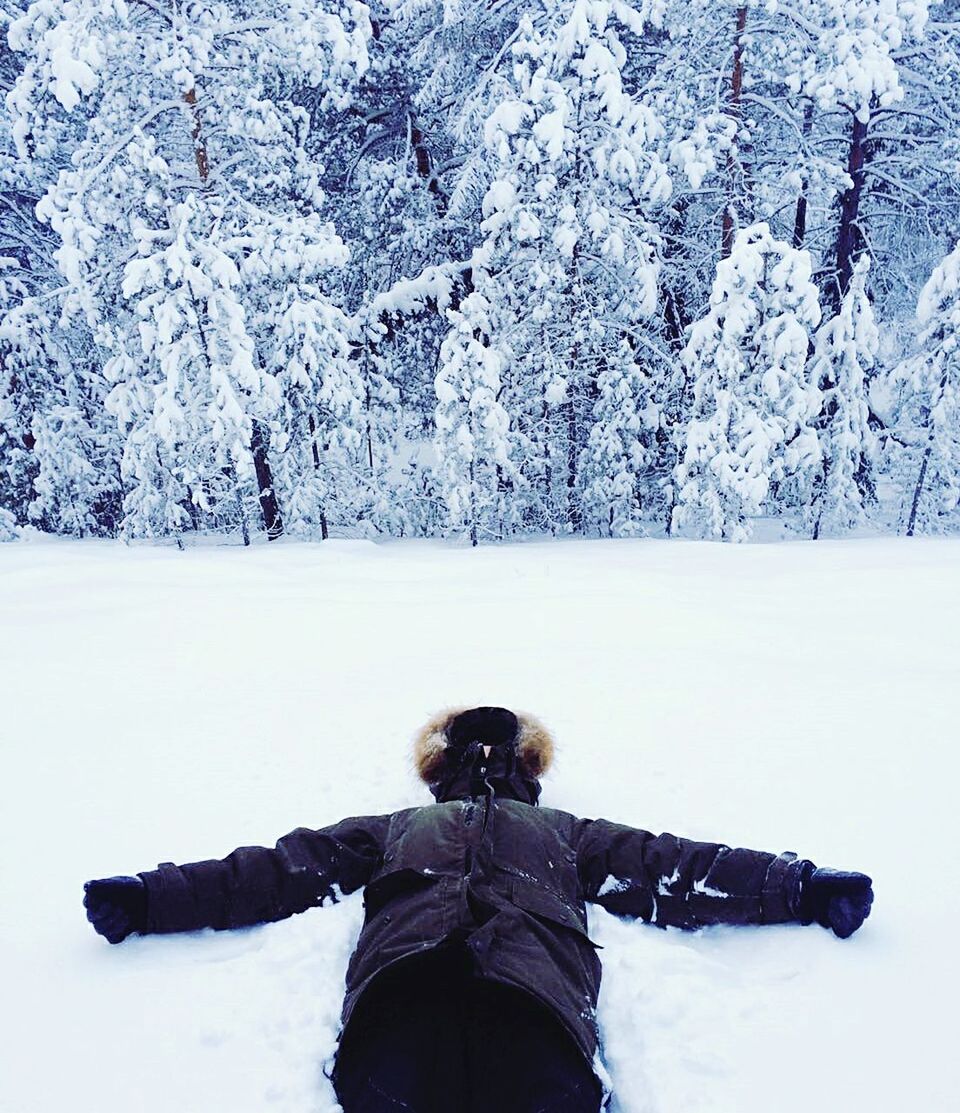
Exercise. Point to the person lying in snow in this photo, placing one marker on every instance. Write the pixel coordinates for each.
(473, 985)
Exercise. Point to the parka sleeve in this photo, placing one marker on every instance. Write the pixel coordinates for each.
(256, 885)
(676, 882)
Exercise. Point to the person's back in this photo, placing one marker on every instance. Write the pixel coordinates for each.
(474, 984)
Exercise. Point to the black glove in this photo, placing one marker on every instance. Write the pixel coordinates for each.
(835, 899)
(116, 906)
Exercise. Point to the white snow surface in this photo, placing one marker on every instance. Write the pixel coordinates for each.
(164, 706)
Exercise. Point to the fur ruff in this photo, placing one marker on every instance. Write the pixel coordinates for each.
(535, 745)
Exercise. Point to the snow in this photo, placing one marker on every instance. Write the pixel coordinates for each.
(164, 706)
(708, 890)
(612, 884)
(665, 883)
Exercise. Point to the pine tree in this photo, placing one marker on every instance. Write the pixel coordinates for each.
(141, 119)
(59, 454)
(569, 264)
(580, 165)
(76, 486)
(187, 399)
(24, 385)
(472, 428)
(303, 342)
(849, 67)
(616, 456)
(750, 428)
(935, 399)
(846, 349)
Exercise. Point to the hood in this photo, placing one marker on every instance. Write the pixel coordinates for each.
(454, 772)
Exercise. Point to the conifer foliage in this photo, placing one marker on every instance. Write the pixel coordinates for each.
(751, 432)
(569, 267)
(934, 400)
(846, 350)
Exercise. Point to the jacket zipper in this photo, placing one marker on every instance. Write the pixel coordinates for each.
(467, 821)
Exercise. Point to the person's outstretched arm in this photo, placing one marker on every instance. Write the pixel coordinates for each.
(676, 882)
(253, 885)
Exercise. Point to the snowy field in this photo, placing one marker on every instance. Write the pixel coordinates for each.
(157, 706)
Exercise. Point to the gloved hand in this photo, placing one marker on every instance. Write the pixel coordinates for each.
(835, 899)
(116, 906)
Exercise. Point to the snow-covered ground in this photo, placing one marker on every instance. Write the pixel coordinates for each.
(157, 706)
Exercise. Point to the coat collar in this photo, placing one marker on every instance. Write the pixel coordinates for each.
(473, 774)
(436, 760)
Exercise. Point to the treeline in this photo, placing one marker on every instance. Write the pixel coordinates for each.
(481, 270)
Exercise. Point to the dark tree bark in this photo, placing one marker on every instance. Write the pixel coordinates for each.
(473, 509)
(369, 406)
(424, 162)
(241, 510)
(324, 532)
(921, 478)
(918, 491)
(269, 507)
(574, 513)
(728, 222)
(421, 154)
(199, 143)
(849, 235)
(800, 220)
(674, 316)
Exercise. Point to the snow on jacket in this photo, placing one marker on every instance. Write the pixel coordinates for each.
(487, 864)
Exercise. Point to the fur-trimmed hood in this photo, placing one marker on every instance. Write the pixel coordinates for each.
(534, 746)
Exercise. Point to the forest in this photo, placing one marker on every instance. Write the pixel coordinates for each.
(479, 269)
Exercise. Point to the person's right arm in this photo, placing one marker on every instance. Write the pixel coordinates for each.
(253, 885)
(678, 882)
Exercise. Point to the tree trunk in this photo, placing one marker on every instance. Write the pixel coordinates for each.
(424, 161)
(734, 111)
(269, 507)
(244, 528)
(574, 515)
(199, 144)
(674, 316)
(918, 490)
(849, 236)
(800, 220)
(473, 509)
(819, 495)
(547, 424)
(369, 406)
(324, 532)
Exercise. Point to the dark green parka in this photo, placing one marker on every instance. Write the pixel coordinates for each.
(487, 864)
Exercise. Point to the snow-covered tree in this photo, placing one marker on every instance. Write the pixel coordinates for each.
(313, 427)
(616, 456)
(472, 437)
(568, 266)
(77, 483)
(753, 406)
(846, 349)
(59, 454)
(24, 385)
(847, 64)
(187, 399)
(934, 403)
(582, 166)
(145, 119)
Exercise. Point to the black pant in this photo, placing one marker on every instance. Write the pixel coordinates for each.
(431, 1037)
